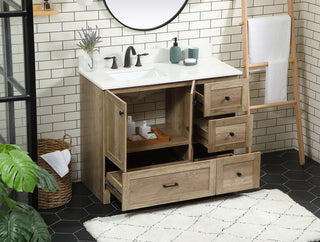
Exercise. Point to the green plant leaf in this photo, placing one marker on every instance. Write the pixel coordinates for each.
(46, 181)
(3, 191)
(11, 203)
(37, 227)
(14, 226)
(17, 171)
(5, 148)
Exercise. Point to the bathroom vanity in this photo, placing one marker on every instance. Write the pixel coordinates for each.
(205, 118)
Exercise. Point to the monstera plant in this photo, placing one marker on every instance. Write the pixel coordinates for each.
(19, 221)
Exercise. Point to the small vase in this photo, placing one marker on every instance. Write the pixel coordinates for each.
(91, 61)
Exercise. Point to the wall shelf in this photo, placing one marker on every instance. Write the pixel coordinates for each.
(37, 11)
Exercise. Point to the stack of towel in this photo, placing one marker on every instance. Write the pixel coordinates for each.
(59, 161)
(269, 41)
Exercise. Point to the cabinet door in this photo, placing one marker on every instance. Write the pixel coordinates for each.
(116, 130)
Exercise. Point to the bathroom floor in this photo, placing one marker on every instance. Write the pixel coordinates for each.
(279, 170)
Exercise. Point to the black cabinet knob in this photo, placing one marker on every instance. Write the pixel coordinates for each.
(121, 112)
(227, 98)
(239, 174)
(231, 134)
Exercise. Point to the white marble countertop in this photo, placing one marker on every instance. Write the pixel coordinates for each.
(164, 72)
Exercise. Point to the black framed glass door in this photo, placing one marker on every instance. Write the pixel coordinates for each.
(17, 76)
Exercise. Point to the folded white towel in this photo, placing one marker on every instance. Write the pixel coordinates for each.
(276, 81)
(269, 41)
(269, 38)
(59, 161)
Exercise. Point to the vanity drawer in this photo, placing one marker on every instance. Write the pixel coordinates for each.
(223, 97)
(171, 183)
(239, 172)
(225, 133)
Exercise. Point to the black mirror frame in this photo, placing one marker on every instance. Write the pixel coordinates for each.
(157, 27)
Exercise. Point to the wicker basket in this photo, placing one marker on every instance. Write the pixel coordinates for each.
(54, 199)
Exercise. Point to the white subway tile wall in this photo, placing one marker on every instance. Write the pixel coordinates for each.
(214, 22)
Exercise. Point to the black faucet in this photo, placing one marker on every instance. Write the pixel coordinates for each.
(127, 60)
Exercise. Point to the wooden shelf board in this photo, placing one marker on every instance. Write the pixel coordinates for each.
(37, 11)
(175, 140)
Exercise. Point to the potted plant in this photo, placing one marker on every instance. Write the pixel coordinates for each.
(21, 222)
(89, 38)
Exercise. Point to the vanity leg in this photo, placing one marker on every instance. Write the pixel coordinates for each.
(106, 197)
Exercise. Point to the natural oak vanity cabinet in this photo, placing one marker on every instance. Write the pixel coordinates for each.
(205, 122)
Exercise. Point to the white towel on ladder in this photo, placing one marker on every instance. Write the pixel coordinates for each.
(276, 81)
(269, 41)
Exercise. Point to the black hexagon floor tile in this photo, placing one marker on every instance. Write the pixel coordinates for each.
(274, 179)
(66, 226)
(315, 191)
(58, 237)
(73, 214)
(290, 155)
(297, 175)
(79, 188)
(50, 218)
(79, 202)
(314, 170)
(272, 158)
(314, 180)
(273, 169)
(316, 202)
(301, 196)
(94, 198)
(311, 207)
(97, 208)
(84, 235)
(52, 210)
(298, 185)
(276, 186)
(294, 165)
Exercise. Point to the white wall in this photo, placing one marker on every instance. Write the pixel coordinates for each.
(309, 49)
(214, 22)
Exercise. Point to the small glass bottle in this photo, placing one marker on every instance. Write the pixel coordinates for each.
(45, 5)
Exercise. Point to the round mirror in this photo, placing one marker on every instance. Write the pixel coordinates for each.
(145, 14)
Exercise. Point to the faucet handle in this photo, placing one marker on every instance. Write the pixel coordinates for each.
(138, 59)
(114, 62)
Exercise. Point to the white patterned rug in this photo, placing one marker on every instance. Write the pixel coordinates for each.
(265, 215)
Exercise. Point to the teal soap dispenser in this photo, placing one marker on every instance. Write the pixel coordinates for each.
(175, 52)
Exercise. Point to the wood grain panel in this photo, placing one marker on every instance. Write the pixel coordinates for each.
(116, 130)
(236, 173)
(91, 136)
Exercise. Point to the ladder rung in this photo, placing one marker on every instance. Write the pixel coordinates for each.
(263, 64)
(269, 105)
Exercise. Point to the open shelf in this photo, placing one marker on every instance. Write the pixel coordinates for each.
(37, 11)
(175, 140)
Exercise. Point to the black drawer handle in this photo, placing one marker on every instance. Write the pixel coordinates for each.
(171, 185)
(231, 134)
(227, 98)
(239, 174)
(121, 112)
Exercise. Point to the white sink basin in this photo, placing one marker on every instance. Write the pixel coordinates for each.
(135, 74)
